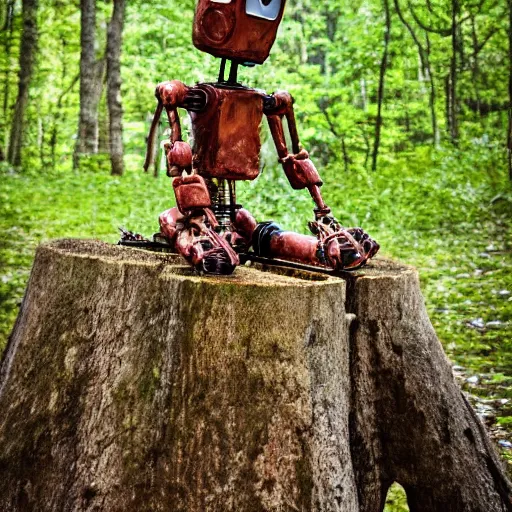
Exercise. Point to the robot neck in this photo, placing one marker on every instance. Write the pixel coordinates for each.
(233, 72)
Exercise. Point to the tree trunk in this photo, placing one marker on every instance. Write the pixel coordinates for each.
(432, 96)
(103, 125)
(426, 70)
(323, 106)
(57, 118)
(364, 96)
(28, 49)
(382, 76)
(8, 29)
(91, 79)
(475, 67)
(131, 383)
(115, 109)
(366, 139)
(453, 101)
(509, 138)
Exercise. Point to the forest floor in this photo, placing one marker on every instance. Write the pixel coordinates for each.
(448, 213)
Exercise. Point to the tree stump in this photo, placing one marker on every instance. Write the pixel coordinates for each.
(131, 384)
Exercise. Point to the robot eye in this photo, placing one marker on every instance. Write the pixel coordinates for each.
(266, 9)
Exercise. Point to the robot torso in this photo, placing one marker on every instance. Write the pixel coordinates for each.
(226, 138)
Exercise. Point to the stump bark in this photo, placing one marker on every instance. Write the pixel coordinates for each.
(131, 384)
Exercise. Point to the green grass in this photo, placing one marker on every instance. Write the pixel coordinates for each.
(447, 213)
(396, 499)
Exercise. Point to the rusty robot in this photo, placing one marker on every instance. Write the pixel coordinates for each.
(208, 227)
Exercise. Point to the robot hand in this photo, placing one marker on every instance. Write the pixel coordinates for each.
(300, 170)
(179, 157)
(343, 248)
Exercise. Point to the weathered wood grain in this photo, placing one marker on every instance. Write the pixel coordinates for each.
(131, 384)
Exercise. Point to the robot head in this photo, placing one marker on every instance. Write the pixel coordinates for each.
(242, 30)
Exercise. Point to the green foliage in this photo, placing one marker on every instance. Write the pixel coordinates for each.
(396, 500)
(328, 55)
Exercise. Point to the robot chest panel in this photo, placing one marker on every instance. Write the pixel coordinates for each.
(226, 134)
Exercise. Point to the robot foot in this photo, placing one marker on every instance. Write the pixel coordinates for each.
(342, 248)
(195, 239)
(349, 249)
(216, 261)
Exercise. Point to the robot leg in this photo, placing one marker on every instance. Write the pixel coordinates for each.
(346, 249)
(340, 249)
(190, 229)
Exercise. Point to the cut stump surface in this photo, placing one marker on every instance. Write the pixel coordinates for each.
(132, 384)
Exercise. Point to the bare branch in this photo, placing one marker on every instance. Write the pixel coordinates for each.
(445, 32)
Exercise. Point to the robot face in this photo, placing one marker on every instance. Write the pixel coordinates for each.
(242, 30)
(267, 9)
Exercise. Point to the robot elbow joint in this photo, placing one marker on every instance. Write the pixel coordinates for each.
(171, 93)
(281, 103)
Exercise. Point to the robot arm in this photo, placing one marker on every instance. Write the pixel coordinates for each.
(299, 169)
(190, 227)
(337, 246)
(171, 95)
